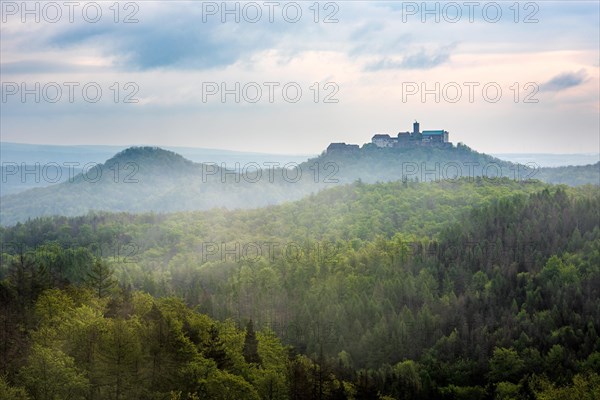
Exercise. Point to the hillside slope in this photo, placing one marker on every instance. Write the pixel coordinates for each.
(152, 179)
(462, 287)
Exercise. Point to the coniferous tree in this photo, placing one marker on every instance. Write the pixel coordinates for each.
(251, 345)
(216, 349)
(101, 278)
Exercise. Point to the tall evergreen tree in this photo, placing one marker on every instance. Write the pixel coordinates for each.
(101, 278)
(251, 345)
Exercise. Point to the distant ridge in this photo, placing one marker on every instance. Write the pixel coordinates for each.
(42, 153)
(73, 159)
(149, 156)
(145, 178)
(550, 160)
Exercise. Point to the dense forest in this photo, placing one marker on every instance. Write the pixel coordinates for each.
(145, 179)
(466, 289)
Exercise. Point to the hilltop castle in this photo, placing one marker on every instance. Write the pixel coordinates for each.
(411, 138)
(403, 139)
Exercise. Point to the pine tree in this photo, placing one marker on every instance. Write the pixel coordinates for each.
(216, 349)
(251, 345)
(100, 278)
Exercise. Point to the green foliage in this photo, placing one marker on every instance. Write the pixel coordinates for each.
(584, 387)
(505, 365)
(51, 374)
(405, 290)
(162, 349)
(463, 393)
(225, 386)
(506, 391)
(251, 345)
(8, 392)
(100, 278)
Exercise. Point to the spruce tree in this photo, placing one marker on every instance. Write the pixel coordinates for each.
(100, 278)
(251, 345)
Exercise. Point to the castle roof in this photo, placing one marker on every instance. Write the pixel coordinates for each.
(433, 133)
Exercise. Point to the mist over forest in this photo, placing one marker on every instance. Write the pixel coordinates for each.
(375, 275)
(299, 200)
(151, 179)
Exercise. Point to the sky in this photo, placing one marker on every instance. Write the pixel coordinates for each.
(291, 77)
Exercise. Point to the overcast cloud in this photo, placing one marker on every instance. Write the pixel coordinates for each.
(357, 74)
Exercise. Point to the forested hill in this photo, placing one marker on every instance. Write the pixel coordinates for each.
(421, 163)
(358, 211)
(152, 179)
(452, 290)
(432, 163)
(571, 175)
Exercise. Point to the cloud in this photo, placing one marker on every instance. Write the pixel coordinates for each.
(381, 44)
(79, 33)
(36, 67)
(565, 81)
(365, 30)
(164, 37)
(421, 59)
(149, 46)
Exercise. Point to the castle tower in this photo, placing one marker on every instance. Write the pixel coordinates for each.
(416, 128)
